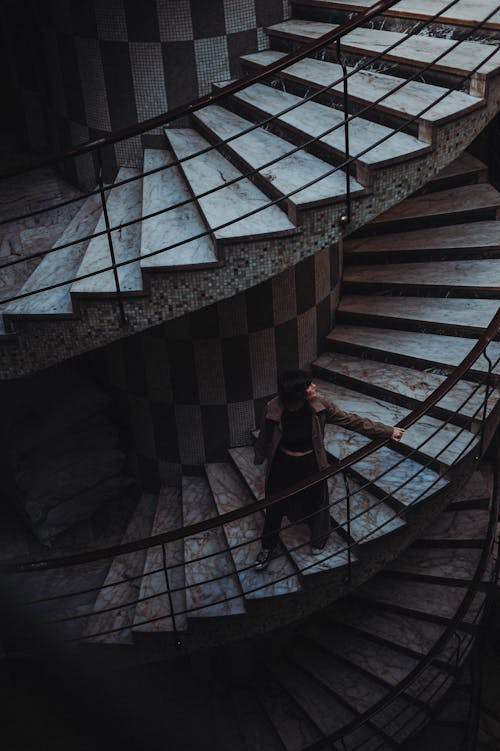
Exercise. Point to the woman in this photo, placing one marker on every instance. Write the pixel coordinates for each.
(291, 439)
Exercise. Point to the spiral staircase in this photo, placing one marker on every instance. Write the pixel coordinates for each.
(411, 538)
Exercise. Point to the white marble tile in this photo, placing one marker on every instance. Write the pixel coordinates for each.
(124, 204)
(161, 191)
(314, 120)
(420, 435)
(230, 493)
(122, 589)
(368, 86)
(154, 613)
(58, 267)
(463, 524)
(290, 173)
(465, 396)
(449, 563)
(474, 274)
(229, 203)
(216, 598)
(253, 474)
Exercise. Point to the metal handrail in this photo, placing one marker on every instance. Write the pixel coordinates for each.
(254, 211)
(192, 529)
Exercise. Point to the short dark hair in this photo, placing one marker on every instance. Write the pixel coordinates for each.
(292, 385)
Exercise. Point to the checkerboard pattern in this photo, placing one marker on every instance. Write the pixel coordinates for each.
(112, 63)
(190, 388)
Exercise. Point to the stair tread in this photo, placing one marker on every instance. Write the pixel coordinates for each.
(255, 726)
(461, 524)
(311, 119)
(477, 274)
(381, 411)
(437, 600)
(259, 147)
(418, 49)
(448, 351)
(452, 311)
(168, 516)
(458, 564)
(465, 165)
(382, 661)
(212, 170)
(469, 236)
(359, 690)
(369, 86)
(464, 12)
(123, 568)
(295, 538)
(413, 384)
(210, 598)
(458, 200)
(160, 191)
(58, 267)
(475, 489)
(124, 204)
(295, 728)
(230, 493)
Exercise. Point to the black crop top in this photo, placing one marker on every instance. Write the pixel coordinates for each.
(297, 429)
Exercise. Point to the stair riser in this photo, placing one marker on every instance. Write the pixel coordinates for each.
(390, 396)
(423, 290)
(405, 360)
(409, 324)
(438, 75)
(424, 255)
(394, 19)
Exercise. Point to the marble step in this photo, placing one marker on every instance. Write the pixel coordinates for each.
(163, 190)
(452, 564)
(481, 277)
(243, 537)
(222, 596)
(314, 120)
(418, 50)
(226, 730)
(437, 602)
(295, 538)
(376, 409)
(383, 662)
(296, 729)
(255, 726)
(466, 316)
(57, 267)
(465, 169)
(288, 175)
(462, 13)
(124, 203)
(475, 491)
(154, 614)
(326, 709)
(123, 581)
(457, 526)
(367, 87)
(370, 517)
(229, 202)
(454, 203)
(400, 384)
(422, 350)
(453, 239)
(359, 691)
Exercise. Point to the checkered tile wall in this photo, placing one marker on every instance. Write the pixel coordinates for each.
(190, 388)
(112, 63)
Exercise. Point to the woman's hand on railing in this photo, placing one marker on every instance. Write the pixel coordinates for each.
(397, 433)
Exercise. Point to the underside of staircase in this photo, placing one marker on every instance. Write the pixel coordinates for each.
(258, 181)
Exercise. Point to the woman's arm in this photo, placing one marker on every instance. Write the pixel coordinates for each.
(362, 425)
(263, 442)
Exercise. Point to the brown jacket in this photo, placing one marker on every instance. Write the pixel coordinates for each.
(323, 411)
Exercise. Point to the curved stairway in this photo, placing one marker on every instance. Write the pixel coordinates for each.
(230, 207)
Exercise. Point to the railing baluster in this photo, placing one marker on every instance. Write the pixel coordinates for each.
(485, 405)
(346, 217)
(123, 319)
(348, 528)
(169, 595)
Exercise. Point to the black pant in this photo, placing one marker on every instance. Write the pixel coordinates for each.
(312, 503)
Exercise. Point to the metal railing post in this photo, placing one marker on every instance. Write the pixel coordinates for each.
(123, 319)
(348, 527)
(345, 218)
(485, 405)
(169, 595)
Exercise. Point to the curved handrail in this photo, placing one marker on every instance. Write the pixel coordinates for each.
(187, 531)
(196, 104)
